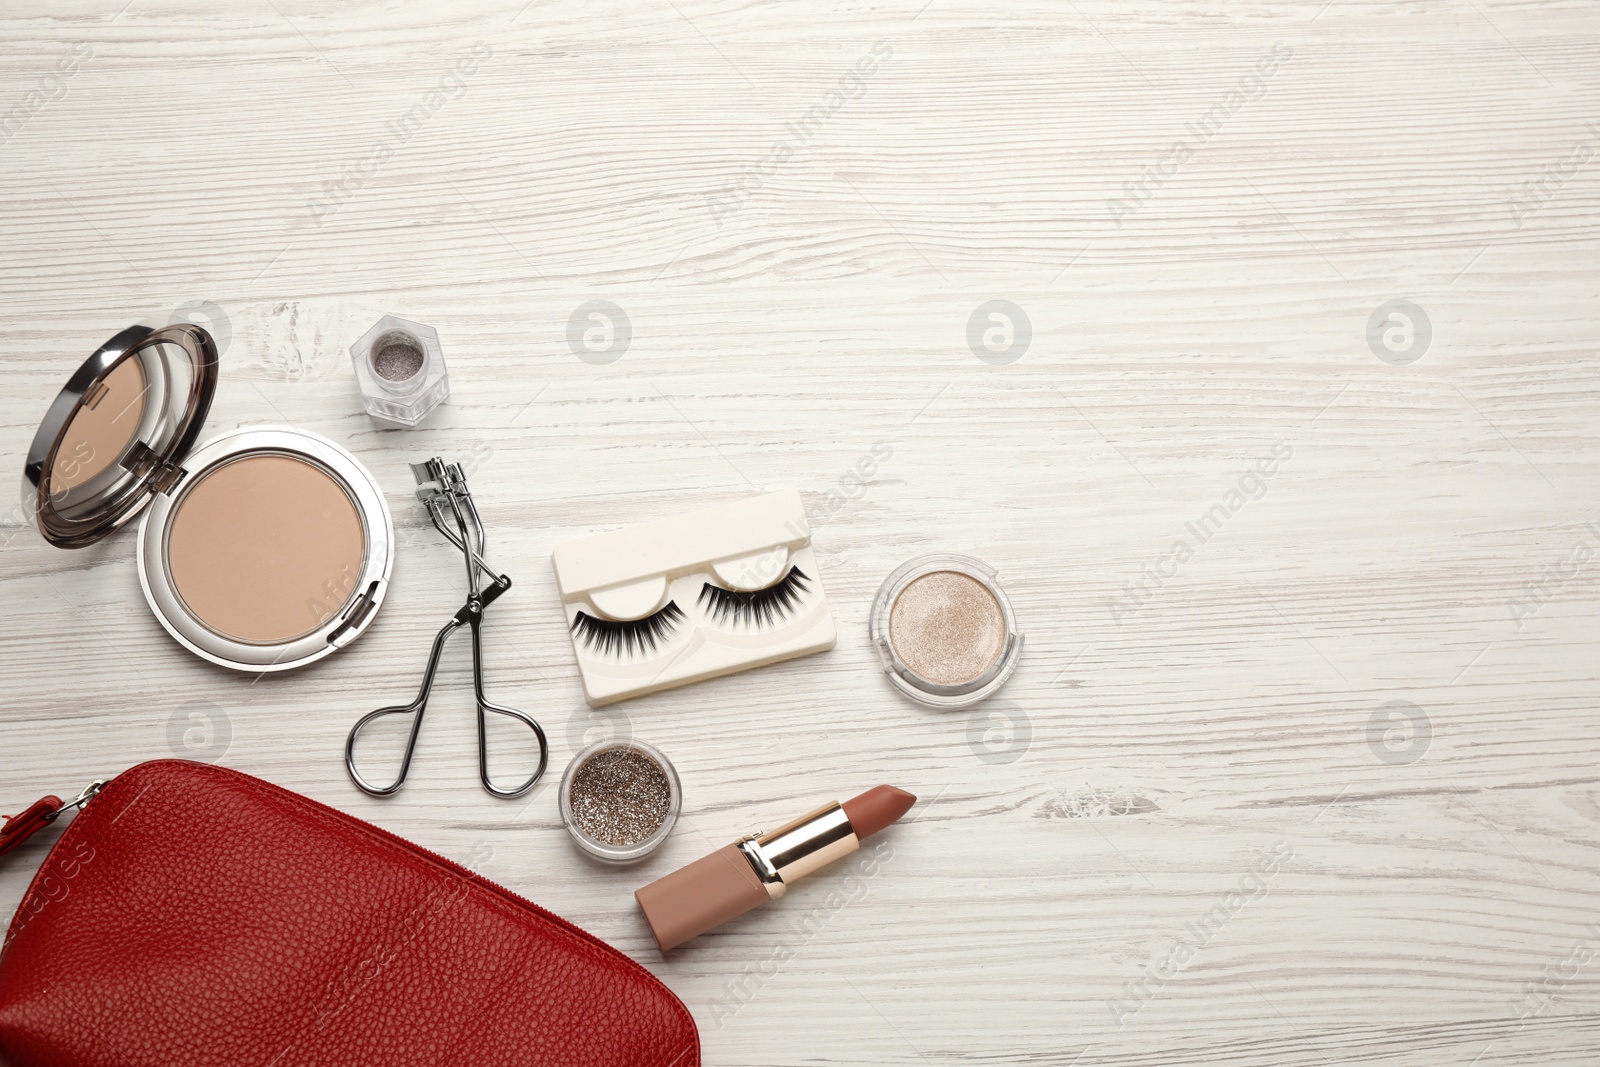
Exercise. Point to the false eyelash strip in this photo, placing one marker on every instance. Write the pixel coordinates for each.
(759, 607)
(623, 638)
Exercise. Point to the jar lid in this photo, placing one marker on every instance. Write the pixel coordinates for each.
(116, 431)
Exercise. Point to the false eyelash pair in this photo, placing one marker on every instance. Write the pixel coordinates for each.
(692, 565)
(757, 608)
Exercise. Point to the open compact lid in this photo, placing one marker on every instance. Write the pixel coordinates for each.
(115, 434)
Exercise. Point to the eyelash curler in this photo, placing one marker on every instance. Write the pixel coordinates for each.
(441, 485)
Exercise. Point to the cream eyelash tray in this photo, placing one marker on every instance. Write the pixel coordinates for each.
(695, 596)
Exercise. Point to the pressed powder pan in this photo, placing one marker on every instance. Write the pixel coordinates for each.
(257, 538)
(264, 549)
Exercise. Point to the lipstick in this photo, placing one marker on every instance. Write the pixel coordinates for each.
(760, 867)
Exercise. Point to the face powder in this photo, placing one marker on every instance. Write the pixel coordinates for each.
(620, 799)
(265, 548)
(262, 549)
(944, 630)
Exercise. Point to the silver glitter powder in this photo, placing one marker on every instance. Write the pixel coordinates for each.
(396, 360)
(619, 796)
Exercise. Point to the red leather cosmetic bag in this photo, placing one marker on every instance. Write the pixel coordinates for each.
(195, 915)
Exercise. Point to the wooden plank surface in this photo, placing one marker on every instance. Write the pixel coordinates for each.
(1195, 827)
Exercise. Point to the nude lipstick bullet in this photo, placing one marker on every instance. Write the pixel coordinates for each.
(758, 868)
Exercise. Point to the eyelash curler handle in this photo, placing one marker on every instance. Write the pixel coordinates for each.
(440, 484)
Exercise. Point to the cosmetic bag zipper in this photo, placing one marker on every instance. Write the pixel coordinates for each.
(41, 813)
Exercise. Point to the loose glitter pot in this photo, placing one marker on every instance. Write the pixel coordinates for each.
(944, 630)
(620, 800)
(400, 370)
(263, 549)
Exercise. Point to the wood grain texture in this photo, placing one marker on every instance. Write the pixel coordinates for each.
(1056, 898)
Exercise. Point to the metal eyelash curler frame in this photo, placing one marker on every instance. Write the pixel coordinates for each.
(440, 484)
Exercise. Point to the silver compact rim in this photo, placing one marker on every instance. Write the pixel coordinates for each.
(343, 624)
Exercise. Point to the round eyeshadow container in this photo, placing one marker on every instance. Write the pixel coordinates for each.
(944, 630)
(620, 800)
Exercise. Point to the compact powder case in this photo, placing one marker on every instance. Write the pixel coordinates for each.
(264, 549)
(944, 630)
(620, 800)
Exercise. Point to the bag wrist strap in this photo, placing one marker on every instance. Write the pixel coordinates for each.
(23, 825)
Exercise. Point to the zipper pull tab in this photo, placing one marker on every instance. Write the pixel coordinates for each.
(23, 825)
(18, 828)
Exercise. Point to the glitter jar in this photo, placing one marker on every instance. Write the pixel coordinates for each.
(944, 630)
(620, 799)
(400, 369)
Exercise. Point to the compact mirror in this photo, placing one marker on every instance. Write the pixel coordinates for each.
(125, 415)
(264, 549)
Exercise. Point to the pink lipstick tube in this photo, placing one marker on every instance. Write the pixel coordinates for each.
(760, 867)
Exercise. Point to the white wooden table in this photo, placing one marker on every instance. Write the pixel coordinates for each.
(1195, 827)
